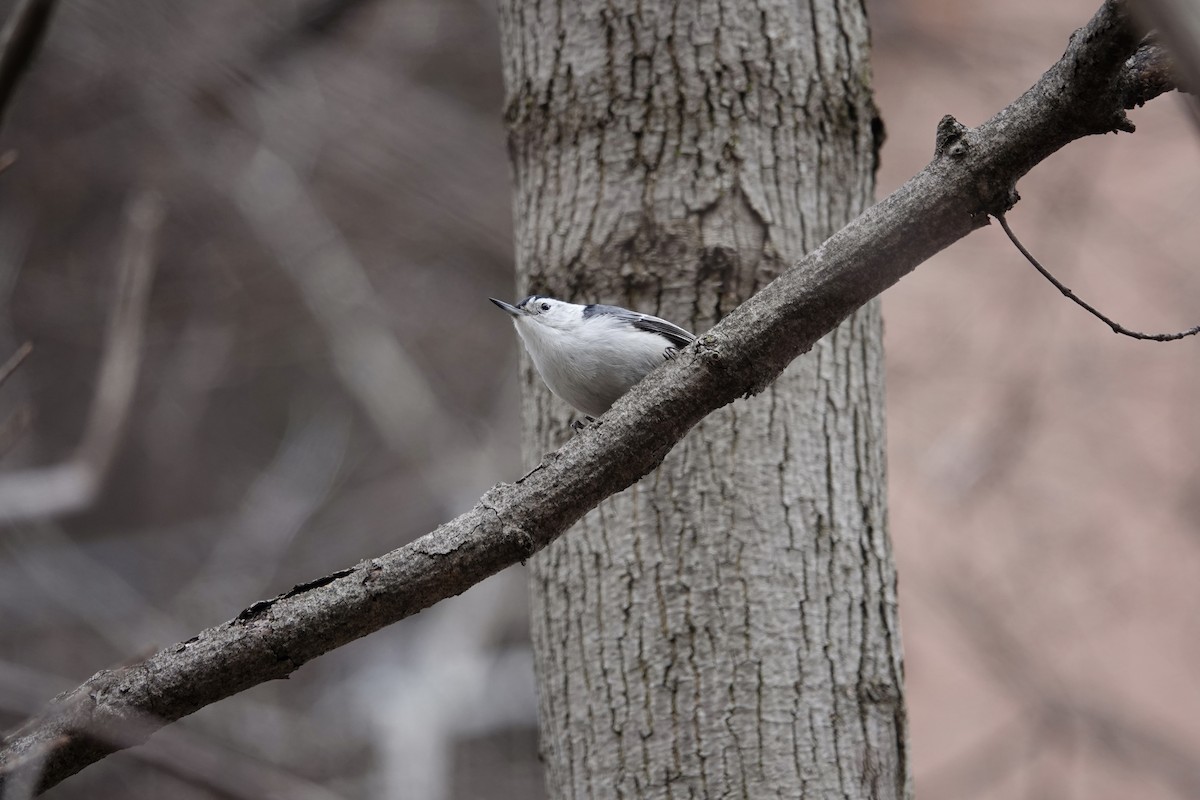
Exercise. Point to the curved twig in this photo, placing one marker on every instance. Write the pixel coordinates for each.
(40, 492)
(1116, 326)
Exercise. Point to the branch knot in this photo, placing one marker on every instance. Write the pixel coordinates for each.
(951, 139)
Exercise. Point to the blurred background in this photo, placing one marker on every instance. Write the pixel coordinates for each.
(335, 181)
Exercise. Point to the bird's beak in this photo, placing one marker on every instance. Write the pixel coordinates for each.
(516, 312)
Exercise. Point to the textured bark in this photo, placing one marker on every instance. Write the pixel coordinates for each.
(728, 626)
(973, 174)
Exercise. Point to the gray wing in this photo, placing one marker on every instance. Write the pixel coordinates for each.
(676, 335)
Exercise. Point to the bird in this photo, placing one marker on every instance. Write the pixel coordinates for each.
(590, 355)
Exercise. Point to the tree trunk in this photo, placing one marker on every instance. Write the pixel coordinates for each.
(728, 626)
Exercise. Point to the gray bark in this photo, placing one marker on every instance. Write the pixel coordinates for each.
(972, 175)
(728, 626)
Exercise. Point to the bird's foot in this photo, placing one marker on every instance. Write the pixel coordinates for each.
(579, 424)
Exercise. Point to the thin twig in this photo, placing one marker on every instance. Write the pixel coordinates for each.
(19, 42)
(14, 361)
(1116, 326)
(123, 339)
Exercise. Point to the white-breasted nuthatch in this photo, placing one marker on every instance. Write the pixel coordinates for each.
(591, 355)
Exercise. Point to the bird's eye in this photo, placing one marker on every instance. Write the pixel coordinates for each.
(545, 306)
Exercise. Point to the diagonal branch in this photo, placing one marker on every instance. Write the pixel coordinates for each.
(971, 177)
(14, 361)
(19, 42)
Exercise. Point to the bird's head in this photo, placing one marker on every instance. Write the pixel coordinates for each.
(543, 311)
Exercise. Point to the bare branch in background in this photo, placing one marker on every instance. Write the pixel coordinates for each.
(373, 366)
(184, 753)
(19, 43)
(14, 361)
(316, 20)
(446, 683)
(19, 420)
(69, 486)
(1178, 23)
(972, 177)
(282, 499)
(1070, 295)
(72, 580)
(14, 428)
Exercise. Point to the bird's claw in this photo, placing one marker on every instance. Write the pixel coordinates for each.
(579, 424)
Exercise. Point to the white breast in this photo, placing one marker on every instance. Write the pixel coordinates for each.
(592, 364)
